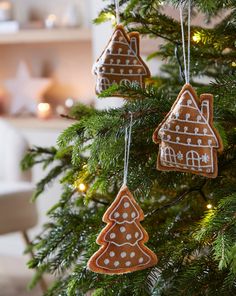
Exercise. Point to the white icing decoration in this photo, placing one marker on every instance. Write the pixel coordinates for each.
(199, 118)
(137, 246)
(112, 235)
(187, 116)
(125, 215)
(136, 235)
(106, 261)
(205, 158)
(132, 254)
(189, 102)
(112, 254)
(126, 204)
(124, 197)
(127, 263)
(116, 215)
(133, 214)
(140, 260)
(128, 236)
(116, 263)
(122, 229)
(179, 155)
(123, 254)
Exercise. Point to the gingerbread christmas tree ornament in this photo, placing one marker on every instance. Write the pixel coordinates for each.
(188, 140)
(120, 62)
(122, 240)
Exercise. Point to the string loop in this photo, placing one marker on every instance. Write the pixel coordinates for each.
(128, 131)
(186, 60)
(117, 11)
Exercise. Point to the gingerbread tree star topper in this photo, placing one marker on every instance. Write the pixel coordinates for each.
(122, 240)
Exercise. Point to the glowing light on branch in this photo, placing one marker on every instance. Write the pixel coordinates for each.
(209, 206)
(82, 187)
(196, 37)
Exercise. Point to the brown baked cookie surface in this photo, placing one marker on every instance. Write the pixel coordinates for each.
(123, 239)
(120, 62)
(188, 141)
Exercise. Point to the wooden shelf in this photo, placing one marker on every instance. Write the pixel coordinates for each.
(46, 36)
(30, 123)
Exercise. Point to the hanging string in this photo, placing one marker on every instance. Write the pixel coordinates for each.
(186, 60)
(117, 11)
(128, 131)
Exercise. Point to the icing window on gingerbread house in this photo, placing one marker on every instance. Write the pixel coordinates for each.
(169, 155)
(193, 159)
(125, 81)
(104, 83)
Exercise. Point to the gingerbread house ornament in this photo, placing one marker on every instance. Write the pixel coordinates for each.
(188, 141)
(122, 240)
(120, 62)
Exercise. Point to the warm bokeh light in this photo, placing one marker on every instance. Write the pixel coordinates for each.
(43, 107)
(209, 206)
(44, 110)
(82, 187)
(196, 37)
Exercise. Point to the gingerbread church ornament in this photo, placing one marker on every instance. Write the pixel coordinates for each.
(122, 240)
(188, 141)
(120, 62)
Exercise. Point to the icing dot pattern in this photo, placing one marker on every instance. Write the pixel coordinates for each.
(125, 211)
(124, 233)
(123, 239)
(116, 258)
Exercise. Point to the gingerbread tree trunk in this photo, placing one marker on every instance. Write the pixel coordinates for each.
(123, 239)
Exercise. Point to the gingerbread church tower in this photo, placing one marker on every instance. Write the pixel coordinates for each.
(188, 141)
(122, 240)
(120, 61)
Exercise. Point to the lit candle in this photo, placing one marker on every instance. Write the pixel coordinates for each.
(44, 110)
(51, 21)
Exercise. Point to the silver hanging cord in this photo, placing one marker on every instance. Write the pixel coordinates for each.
(186, 60)
(128, 131)
(117, 11)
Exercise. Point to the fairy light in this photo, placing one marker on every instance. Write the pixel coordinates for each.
(196, 37)
(233, 64)
(82, 187)
(209, 206)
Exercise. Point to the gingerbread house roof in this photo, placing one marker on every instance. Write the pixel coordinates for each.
(121, 56)
(187, 123)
